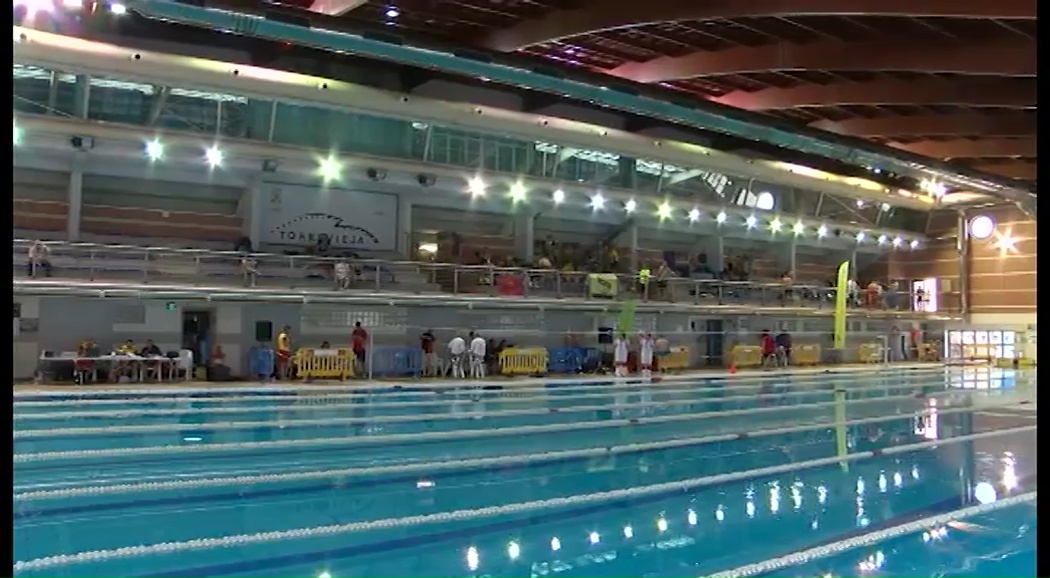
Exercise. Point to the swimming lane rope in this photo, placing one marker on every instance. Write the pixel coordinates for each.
(460, 515)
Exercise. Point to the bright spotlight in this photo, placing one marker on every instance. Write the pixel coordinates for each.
(330, 169)
(694, 215)
(799, 228)
(517, 192)
(751, 222)
(721, 217)
(154, 150)
(597, 202)
(774, 225)
(476, 187)
(883, 239)
(628, 532)
(822, 231)
(861, 236)
(630, 206)
(594, 537)
(118, 9)
(914, 244)
(661, 525)
(897, 241)
(860, 204)
(213, 156)
(664, 211)
(885, 207)
(513, 550)
(558, 197)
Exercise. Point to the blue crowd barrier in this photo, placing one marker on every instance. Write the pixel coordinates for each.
(389, 360)
(568, 359)
(260, 361)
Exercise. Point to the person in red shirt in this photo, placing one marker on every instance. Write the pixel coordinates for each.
(358, 338)
(426, 342)
(769, 348)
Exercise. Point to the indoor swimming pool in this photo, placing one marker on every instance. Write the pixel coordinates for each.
(741, 476)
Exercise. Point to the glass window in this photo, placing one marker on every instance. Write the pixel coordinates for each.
(967, 337)
(981, 337)
(955, 337)
(995, 337)
(1008, 337)
(1007, 351)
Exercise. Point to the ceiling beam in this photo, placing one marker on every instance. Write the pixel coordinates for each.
(974, 148)
(963, 91)
(1011, 124)
(598, 15)
(1014, 170)
(1006, 57)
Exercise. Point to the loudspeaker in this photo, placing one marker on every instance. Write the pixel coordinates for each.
(264, 331)
(605, 335)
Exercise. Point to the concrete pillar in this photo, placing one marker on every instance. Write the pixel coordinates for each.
(632, 246)
(792, 257)
(404, 228)
(525, 236)
(853, 271)
(250, 209)
(75, 196)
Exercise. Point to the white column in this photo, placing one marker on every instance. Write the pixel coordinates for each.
(404, 228)
(525, 236)
(75, 197)
(792, 257)
(853, 273)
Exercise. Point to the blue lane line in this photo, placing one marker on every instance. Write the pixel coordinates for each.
(379, 481)
(272, 564)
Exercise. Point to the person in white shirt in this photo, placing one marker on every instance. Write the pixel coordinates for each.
(646, 347)
(620, 350)
(39, 259)
(477, 356)
(456, 348)
(342, 275)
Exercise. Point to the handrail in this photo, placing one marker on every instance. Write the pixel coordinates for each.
(100, 262)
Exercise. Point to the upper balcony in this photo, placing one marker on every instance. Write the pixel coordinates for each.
(122, 270)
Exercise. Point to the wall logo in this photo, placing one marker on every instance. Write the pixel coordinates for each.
(308, 227)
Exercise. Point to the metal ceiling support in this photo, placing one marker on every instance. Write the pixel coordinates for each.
(336, 7)
(82, 91)
(156, 105)
(52, 93)
(598, 15)
(1008, 124)
(980, 148)
(1013, 57)
(1014, 170)
(962, 91)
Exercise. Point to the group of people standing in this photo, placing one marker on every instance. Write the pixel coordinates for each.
(648, 350)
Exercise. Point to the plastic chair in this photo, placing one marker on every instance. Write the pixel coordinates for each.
(184, 362)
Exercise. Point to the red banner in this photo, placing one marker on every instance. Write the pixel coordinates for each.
(510, 286)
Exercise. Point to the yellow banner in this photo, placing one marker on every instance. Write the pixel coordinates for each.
(603, 285)
(840, 306)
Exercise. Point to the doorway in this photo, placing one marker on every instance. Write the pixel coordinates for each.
(196, 334)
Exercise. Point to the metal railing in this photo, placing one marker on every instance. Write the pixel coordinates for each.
(208, 268)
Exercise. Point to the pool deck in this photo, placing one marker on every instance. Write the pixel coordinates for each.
(496, 381)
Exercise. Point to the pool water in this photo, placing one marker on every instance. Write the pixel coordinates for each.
(680, 478)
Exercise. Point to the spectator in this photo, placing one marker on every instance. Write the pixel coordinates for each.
(873, 295)
(890, 297)
(852, 293)
(769, 348)
(783, 343)
(325, 345)
(426, 343)
(342, 274)
(284, 353)
(39, 259)
(249, 270)
(456, 348)
(358, 339)
(324, 244)
(478, 347)
(244, 245)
